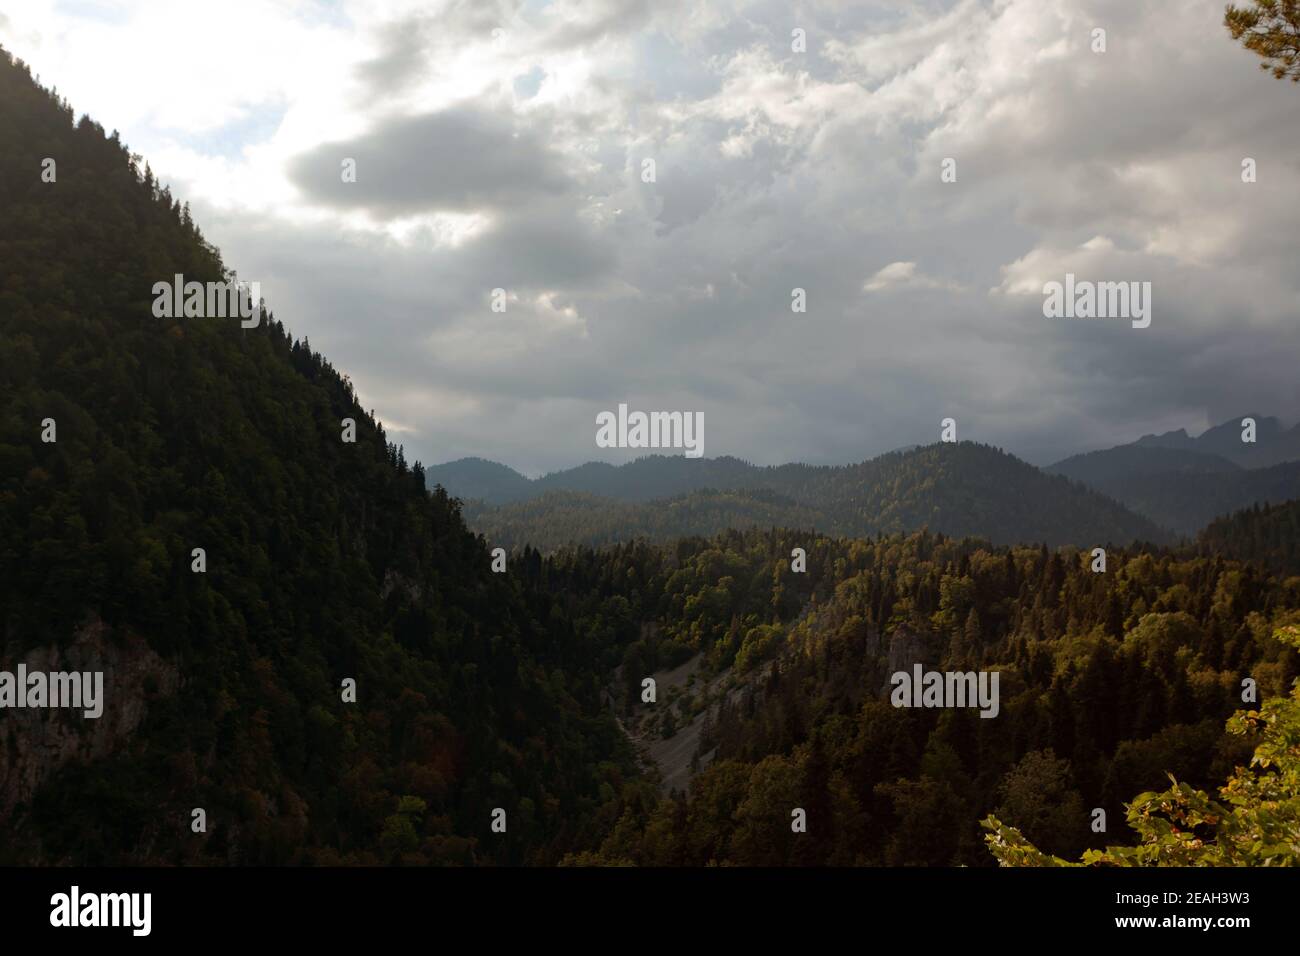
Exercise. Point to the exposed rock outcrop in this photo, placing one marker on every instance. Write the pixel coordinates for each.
(34, 743)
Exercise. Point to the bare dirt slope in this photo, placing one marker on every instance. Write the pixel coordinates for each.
(679, 693)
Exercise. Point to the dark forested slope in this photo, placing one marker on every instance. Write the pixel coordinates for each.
(1268, 535)
(324, 561)
(1177, 489)
(1184, 483)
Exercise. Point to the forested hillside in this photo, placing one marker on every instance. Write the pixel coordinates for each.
(1109, 681)
(1184, 483)
(1140, 461)
(488, 480)
(325, 561)
(1189, 494)
(958, 489)
(558, 518)
(1268, 535)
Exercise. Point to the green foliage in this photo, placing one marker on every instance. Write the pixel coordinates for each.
(1038, 792)
(760, 643)
(1255, 821)
(400, 835)
(1268, 535)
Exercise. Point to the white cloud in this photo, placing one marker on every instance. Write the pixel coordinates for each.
(775, 170)
(903, 275)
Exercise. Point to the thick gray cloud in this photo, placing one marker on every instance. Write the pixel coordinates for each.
(816, 170)
(459, 159)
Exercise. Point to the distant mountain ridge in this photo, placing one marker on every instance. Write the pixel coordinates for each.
(1154, 489)
(963, 489)
(1273, 443)
(1188, 501)
(1138, 459)
(647, 478)
(1184, 483)
(1218, 450)
(481, 479)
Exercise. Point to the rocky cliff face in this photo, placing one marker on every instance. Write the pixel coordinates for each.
(906, 649)
(34, 743)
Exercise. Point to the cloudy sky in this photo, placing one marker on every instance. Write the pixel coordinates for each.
(503, 144)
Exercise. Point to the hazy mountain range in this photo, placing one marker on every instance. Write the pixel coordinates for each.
(1155, 489)
(1183, 483)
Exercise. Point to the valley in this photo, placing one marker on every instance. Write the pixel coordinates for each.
(495, 635)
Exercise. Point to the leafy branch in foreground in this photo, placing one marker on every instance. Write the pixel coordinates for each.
(1272, 30)
(1255, 821)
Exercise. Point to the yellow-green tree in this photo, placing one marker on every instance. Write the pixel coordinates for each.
(1255, 821)
(1271, 28)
